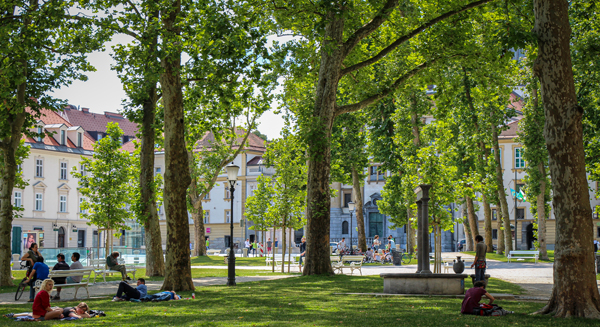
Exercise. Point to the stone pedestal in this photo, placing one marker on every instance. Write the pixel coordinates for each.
(432, 284)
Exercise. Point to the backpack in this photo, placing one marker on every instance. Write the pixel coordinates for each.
(490, 310)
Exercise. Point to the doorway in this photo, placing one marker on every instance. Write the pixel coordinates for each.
(81, 238)
(16, 240)
(530, 236)
(252, 236)
(61, 238)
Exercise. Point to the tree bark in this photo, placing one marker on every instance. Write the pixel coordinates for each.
(575, 291)
(290, 250)
(411, 232)
(199, 234)
(487, 215)
(467, 228)
(283, 244)
(155, 264)
(360, 220)
(472, 219)
(178, 275)
(319, 145)
(541, 212)
(501, 192)
(500, 248)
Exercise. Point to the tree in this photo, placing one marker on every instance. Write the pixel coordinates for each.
(349, 160)
(42, 47)
(575, 292)
(258, 204)
(351, 39)
(105, 184)
(138, 67)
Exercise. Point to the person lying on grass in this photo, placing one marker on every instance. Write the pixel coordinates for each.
(131, 293)
(162, 296)
(80, 311)
(473, 296)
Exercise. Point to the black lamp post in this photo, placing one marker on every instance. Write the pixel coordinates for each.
(351, 209)
(232, 174)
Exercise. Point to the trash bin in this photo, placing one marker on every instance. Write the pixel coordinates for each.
(396, 257)
(245, 252)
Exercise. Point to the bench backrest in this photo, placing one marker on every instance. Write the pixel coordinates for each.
(353, 258)
(85, 274)
(98, 263)
(525, 252)
(334, 258)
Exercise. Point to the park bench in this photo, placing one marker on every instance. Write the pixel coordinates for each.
(523, 255)
(85, 280)
(213, 252)
(279, 261)
(355, 261)
(100, 268)
(336, 263)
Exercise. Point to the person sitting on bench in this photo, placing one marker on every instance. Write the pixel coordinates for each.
(113, 264)
(473, 296)
(131, 293)
(60, 265)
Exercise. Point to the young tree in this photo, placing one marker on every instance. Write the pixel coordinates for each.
(106, 183)
(43, 47)
(575, 291)
(258, 204)
(346, 36)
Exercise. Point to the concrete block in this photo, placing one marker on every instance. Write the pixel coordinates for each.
(431, 284)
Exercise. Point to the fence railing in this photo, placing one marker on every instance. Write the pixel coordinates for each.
(131, 255)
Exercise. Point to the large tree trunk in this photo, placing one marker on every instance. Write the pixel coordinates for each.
(500, 248)
(575, 292)
(199, 230)
(541, 212)
(318, 196)
(466, 226)
(360, 220)
(501, 192)
(472, 219)
(487, 226)
(155, 264)
(178, 275)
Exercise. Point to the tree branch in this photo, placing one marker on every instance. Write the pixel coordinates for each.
(410, 35)
(372, 99)
(370, 27)
(135, 9)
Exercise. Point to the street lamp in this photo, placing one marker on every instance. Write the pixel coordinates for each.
(351, 209)
(232, 175)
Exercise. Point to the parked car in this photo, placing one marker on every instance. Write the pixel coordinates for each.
(334, 247)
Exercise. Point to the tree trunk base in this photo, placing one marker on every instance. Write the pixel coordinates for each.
(559, 308)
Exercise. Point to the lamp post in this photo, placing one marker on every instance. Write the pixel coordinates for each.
(351, 209)
(232, 174)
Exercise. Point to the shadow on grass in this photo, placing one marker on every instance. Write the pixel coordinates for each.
(305, 301)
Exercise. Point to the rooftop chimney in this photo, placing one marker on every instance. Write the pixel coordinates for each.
(85, 109)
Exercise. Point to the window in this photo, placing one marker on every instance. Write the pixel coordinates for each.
(62, 137)
(39, 202)
(62, 207)
(40, 137)
(375, 224)
(79, 140)
(63, 170)
(206, 196)
(99, 137)
(81, 209)
(494, 234)
(598, 232)
(347, 199)
(520, 213)
(345, 227)
(157, 171)
(39, 168)
(227, 194)
(375, 173)
(227, 216)
(494, 214)
(519, 161)
(18, 200)
(82, 170)
(206, 217)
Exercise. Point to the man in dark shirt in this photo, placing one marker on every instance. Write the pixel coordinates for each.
(61, 265)
(473, 296)
(480, 262)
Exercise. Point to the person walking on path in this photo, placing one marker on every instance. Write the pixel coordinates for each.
(207, 243)
(480, 263)
(254, 247)
(269, 245)
(113, 264)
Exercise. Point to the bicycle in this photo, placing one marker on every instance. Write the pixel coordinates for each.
(406, 258)
(22, 285)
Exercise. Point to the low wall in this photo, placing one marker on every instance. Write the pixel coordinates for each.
(433, 284)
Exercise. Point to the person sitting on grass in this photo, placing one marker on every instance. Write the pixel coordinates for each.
(41, 305)
(131, 293)
(473, 296)
(113, 264)
(80, 311)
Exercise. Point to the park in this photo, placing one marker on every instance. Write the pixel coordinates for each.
(300, 162)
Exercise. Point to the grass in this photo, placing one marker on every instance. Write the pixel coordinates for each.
(503, 258)
(303, 301)
(141, 272)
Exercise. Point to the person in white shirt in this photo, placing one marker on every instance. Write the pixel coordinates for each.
(342, 245)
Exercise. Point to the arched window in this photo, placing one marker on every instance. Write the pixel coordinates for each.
(345, 227)
(61, 238)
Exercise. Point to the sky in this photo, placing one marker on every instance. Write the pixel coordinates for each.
(103, 91)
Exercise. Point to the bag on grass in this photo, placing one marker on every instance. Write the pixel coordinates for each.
(490, 310)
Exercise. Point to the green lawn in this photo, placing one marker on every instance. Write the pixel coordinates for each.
(503, 258)
(141, 272)
(304, 301)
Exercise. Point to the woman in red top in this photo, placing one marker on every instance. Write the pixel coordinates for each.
(41, 303)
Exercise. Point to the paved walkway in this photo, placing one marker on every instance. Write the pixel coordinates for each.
(108, 289)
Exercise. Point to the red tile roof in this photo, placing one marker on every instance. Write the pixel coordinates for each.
(49, 117)
(93, 122)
